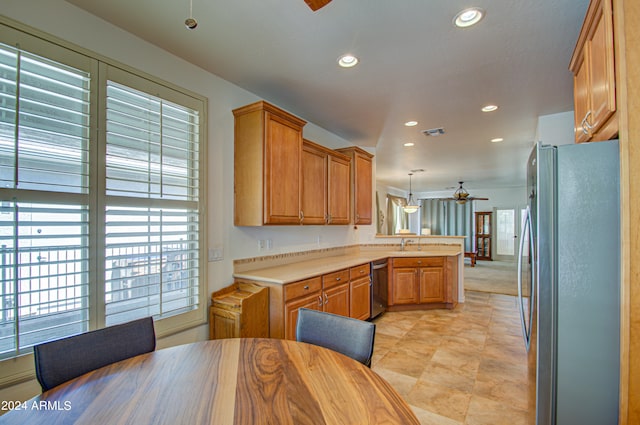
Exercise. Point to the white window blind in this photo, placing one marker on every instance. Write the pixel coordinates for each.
(44, 221)
(152, 206)
(100, 198)
(44, 124)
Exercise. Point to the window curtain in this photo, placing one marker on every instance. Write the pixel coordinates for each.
(448, 218)
(396, 218)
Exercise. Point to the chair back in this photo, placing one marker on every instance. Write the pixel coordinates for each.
(64, 359)
(351, 337)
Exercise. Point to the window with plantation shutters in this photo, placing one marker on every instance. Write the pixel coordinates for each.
(152, 187)
(100, 198)
(44, 186)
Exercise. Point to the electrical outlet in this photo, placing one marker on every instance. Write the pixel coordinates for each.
(269, 244)
(262, 244)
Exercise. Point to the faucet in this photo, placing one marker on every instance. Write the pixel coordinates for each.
(404, 243)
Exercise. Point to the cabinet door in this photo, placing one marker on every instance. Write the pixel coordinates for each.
(313, 302)
(339, 195)
(431, 284)
(363, 187)
(314, 185)
(360, 298)
(404, 288)
(283, 157)
(336, 299)
(581, 101)
(601, 67)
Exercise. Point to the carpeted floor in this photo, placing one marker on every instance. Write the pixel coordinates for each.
(498, 277)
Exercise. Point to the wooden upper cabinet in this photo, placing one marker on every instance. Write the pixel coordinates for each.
(267, 165)
(339, 189)
(325, 185)
(314, 184)
(594, 82)
(361, 183)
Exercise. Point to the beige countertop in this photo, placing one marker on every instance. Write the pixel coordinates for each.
(296, 271)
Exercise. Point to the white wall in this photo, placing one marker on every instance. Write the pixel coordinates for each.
(72, 24)
(555, 129)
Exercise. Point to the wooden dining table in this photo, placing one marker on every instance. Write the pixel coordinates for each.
(226, 381)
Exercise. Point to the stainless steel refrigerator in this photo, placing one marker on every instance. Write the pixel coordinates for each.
(569, 283)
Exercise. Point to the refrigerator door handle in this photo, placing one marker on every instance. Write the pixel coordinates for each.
(526, 229)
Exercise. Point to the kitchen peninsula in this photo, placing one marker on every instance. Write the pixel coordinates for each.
(425, 274)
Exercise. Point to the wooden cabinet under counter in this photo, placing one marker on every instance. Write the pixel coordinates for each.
(423, 282)
(345, 292)
(360, 292)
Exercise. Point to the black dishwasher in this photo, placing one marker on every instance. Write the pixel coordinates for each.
(379, 294)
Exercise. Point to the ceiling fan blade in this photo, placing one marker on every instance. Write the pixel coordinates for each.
(317, 4)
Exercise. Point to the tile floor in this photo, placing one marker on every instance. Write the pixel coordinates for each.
(466, 366)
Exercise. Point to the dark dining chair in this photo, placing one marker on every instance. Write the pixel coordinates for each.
(351, 337)
(64, 359)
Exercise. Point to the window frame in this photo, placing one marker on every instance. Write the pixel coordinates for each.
(21, 368)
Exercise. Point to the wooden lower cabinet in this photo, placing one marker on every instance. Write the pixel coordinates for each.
(291, 308)
(405, 287)
(346, 292)
(336, 299)
(360, 298)
(360, 292)
(423, 282)
(431, 284)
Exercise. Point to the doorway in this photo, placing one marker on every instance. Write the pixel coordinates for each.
(507, 228)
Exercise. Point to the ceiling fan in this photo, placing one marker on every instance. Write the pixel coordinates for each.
(461, 196)
(317, 4)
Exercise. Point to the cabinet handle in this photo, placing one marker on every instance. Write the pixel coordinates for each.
(326, 299)
(301, 217)
(586, 121)
(584, 129)
(330, 219)
(306, 287)
(338, 279)
(319, 301)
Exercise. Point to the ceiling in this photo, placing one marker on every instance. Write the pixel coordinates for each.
(414, 65)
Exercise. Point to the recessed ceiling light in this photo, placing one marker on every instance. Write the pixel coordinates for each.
(347, 61)
(411, 123)
(497, 140)
(409, 144)
(467, 17)
(489, 108)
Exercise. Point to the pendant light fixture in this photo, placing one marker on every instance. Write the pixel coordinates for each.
(461, 195)
(412, 206)
(190, 22)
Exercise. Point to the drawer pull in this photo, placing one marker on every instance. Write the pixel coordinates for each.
(338, 278)
(306, 287)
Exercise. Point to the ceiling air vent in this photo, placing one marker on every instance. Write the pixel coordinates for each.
(433, 132)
